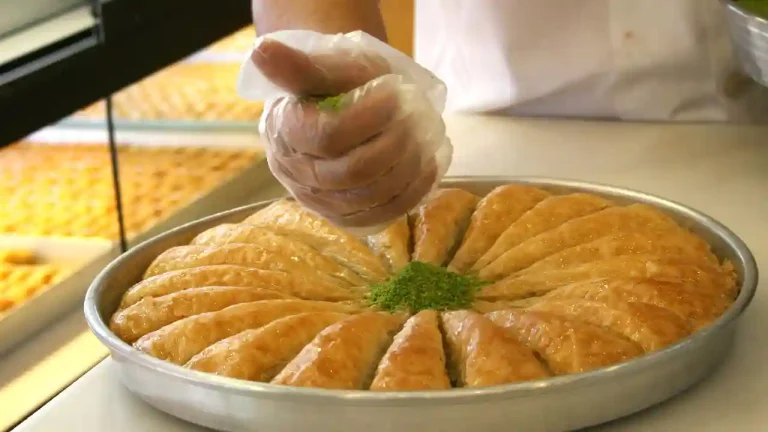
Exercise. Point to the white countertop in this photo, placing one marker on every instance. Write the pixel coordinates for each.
(720, 170)
(44, 365)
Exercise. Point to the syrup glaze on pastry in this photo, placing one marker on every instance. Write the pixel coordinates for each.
(575, 232)
(494, 214)
(415, 360)
(238, 276)
(439, 224)
(547, 285)
(153, 313)
(294, 258)
(482, 354)
(535, 283)
(393, 244)
(344, 355)
(259, 354)
(566, 345)
(547, 214)
(179, 341)
(288, 217)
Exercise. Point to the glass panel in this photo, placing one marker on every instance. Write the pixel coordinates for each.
(16, 15)
(57, 213)
(164, 186)
(59, 218)
(188, 144)
(32, 26)
(195, 93)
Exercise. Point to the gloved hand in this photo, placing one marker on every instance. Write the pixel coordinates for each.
(361, 159)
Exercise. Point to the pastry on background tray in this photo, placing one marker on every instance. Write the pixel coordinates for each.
(67, 190)
(17, 256)
(23, 275)
(185, 92)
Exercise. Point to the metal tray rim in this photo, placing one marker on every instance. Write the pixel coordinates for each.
(462, 395)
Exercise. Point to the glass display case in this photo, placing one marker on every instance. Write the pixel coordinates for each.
(58, 182)
(195, 93)
(61, 215)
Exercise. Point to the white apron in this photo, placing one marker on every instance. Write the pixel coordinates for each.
(616, 59)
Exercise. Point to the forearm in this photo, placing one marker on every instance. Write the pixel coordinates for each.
(323, 16)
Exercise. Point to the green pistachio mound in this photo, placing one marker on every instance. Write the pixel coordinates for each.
(419, 286)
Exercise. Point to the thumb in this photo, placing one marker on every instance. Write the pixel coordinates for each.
(327, 74)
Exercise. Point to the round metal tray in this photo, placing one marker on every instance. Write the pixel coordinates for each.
(557, 404)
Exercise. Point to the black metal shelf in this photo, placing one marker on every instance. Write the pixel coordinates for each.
(134, 39)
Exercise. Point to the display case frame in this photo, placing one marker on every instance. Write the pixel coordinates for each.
(130, 40)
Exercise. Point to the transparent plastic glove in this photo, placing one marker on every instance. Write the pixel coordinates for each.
(362, 158)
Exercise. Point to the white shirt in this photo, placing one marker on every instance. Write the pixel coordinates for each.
(618, 59)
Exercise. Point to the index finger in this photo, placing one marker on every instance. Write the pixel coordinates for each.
(327, 74)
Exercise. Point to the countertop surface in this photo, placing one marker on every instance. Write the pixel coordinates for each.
(720, 170)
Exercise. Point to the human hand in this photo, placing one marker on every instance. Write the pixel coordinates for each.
(359, 160)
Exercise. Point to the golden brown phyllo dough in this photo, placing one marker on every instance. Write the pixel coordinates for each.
(566, 284)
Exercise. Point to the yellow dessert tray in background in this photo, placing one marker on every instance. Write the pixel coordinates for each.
(34, 295)
(59, 207)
